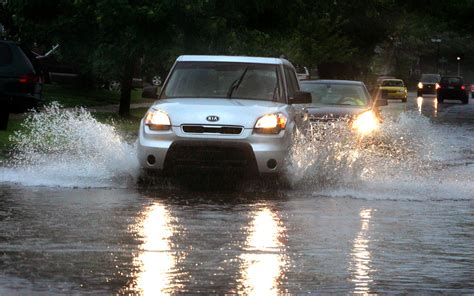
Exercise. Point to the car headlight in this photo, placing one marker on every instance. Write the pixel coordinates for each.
(420, 85)
(271, 124)
(365, 123)
(157, 120)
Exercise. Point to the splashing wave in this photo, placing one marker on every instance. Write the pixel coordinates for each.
(69, 148)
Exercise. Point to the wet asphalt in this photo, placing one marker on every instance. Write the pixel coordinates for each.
(385, 236)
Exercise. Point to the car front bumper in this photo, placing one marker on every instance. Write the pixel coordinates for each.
(395, 95)
(164, 150)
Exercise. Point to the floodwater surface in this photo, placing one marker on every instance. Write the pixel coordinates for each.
(392, 214)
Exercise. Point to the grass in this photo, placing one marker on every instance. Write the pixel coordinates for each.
(5, 145)
(74, 96)
(125, 126)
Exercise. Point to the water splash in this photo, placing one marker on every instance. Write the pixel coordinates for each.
(410, 157)
(69, 148)
(323, 154)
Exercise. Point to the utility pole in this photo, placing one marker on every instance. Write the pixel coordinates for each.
(458, 58)
(437, 41)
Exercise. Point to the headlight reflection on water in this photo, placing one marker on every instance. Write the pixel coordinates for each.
(361, 268)
(419, 103)
(156, 262)
(263, 263)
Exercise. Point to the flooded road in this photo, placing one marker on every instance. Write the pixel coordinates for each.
(382, 221)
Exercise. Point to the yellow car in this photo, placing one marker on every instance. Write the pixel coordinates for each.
(393, 89)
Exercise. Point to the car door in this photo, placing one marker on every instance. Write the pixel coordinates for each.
(292, 86)
(6, 71)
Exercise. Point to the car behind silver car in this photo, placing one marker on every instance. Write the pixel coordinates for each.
(222, 113)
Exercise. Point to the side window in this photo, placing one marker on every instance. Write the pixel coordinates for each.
(291, 80)
(5, 54)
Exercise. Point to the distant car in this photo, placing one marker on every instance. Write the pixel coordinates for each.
(383, 77)
(302, 73)
(452, 88)
(393, 89)
(333, 99)
(428, 84)
(20, 81)
(224, 113)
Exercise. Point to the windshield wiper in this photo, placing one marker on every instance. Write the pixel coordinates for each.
(235, 84)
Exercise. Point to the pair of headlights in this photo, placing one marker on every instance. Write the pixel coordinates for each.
(267, 124)
(420, 85)
(365, 123)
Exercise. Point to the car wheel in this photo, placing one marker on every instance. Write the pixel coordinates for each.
(156, 80)
(440, 100)
(404, 100)
(465, 101)
(114, 86)
(4, 115)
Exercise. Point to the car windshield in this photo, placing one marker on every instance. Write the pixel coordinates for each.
(336, 94)
(451, 80)
(430, 78)
(223, 80)
(392, 83)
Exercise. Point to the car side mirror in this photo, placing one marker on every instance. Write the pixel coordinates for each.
(149, 92)
(380, 102)
(301, 97)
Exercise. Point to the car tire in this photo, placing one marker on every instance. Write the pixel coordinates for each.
(404, 100)
(4, 116)
(465, 101)
(440, 100)
(114, 86)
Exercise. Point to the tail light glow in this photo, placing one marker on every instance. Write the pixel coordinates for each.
(437, 86)
(29, 78)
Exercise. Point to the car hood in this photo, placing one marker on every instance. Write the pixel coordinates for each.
(333, 111)
(230, 111)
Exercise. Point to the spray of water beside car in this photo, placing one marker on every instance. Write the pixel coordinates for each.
(224, 113)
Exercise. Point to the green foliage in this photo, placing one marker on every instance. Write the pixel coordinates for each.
(109, 39)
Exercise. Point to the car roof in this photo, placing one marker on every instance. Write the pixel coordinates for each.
(233, 59)
(428, 74)
(392, 79)
(332, 81)
(451, 76)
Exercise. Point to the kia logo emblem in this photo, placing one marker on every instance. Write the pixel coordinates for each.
(212, 118)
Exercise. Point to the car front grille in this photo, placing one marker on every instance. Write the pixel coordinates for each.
(210, 155)
(212, 129)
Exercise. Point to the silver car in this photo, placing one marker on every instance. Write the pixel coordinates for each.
(222, 112)
(335, 99)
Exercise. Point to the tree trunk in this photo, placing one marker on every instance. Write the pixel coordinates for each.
(126, 89)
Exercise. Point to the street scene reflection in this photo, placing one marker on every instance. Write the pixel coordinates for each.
(361, 268)
(156, 261)
(264, 261)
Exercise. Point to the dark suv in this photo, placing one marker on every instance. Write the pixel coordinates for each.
(20, 80)
(428, 84)
(452, 88)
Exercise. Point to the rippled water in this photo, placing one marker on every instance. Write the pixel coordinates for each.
(389, 214)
